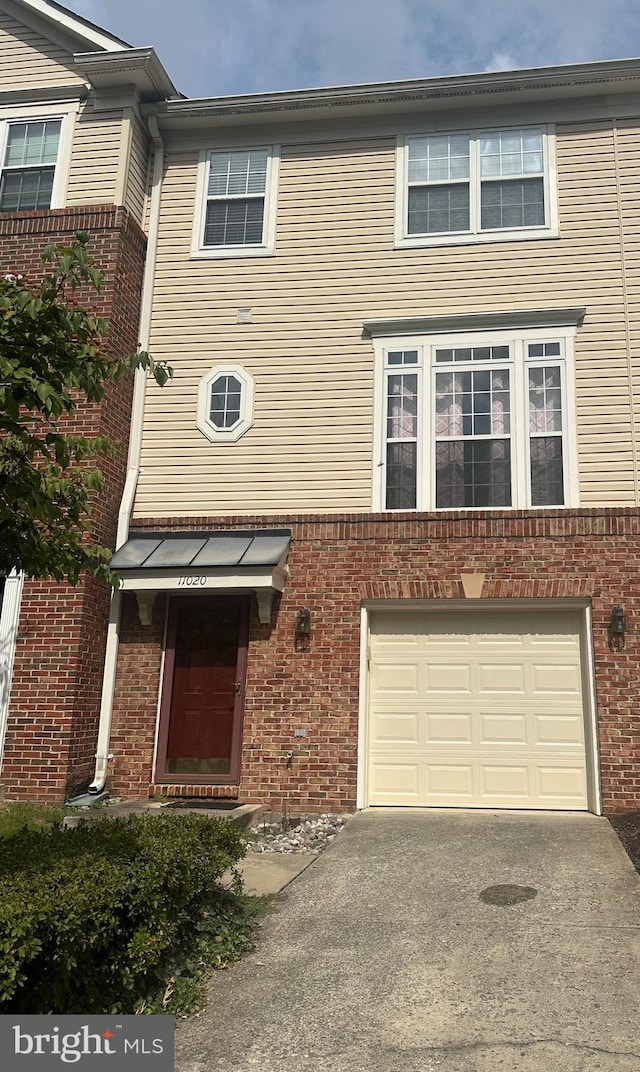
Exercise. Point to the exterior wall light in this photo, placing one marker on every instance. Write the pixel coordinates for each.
(303, 623)
(617, 627)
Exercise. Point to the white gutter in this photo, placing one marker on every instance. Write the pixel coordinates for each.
(573, 76)
(133, 466)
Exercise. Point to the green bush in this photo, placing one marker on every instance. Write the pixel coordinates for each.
(95, 919)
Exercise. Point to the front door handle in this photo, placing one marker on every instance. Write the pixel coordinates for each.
(238, 686)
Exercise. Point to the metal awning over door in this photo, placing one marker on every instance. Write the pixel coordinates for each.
(216, 561)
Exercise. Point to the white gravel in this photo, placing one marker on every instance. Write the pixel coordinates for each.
(311, 835)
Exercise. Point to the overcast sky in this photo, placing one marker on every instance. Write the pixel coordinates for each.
(217, 47)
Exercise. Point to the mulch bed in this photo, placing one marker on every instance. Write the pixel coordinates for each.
(627, 827)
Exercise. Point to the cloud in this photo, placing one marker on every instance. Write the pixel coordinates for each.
(216, 47)
(501, 61)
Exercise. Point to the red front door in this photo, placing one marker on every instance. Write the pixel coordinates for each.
(203, 693)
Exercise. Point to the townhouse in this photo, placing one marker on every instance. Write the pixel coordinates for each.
(378, 540)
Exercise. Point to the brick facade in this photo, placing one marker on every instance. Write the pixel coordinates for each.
(339, 562)
(57, 679)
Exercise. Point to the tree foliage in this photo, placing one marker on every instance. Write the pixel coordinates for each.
(54, 359)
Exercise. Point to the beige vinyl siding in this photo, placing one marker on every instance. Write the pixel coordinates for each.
(95, 156)
(30, 61)
(137, 175)
(310, 447)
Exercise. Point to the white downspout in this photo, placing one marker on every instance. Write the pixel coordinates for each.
(133, 464)
(9, 617)
(140, 383)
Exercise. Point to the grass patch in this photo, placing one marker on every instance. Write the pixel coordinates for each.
(24, 815)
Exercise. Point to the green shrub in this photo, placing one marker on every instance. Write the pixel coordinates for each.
(95, 919)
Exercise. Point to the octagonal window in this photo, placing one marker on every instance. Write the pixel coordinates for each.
(225, 403)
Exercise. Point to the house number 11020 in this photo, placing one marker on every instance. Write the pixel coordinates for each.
(190, 581)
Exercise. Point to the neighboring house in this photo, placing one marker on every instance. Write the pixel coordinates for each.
(73, 156)
(379, 538)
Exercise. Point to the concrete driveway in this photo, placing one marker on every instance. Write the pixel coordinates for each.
(383, 955)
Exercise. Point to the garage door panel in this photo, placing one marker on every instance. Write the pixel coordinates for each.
(503, 729)
(477, 709)
(394, 631)
(397, 783)
(555, 641)
(507, 783)
(448, 728)
(448, 677)
(452, 782)
(447, 642)
(556, 679)
(557, 730)
(395, 727)
(394, 678)
(501, 677)
(561, 782)
(501, 641)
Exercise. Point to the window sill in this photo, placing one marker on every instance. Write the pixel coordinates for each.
(439, 511)
(230, 252)
(423, 241)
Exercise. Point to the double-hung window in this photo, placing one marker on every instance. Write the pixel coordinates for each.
(237, 202)
(477, 422)
(476, 186)
(29, 154)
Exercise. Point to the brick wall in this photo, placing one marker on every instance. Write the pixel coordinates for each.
(55, 696)
(337, 562)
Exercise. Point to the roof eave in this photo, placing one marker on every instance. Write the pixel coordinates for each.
(139, 67)
(73, 24)
(576, 79)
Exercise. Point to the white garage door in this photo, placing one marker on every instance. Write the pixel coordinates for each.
(476, 709)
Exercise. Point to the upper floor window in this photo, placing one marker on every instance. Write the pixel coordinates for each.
(478, 423)
(225, 403)
(479, 186)
(237, 216)
(29, 158)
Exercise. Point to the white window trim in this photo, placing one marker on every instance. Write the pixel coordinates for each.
(518, 340)
(548, 230)
(226, 435)
(66, 113)
(267, 246)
